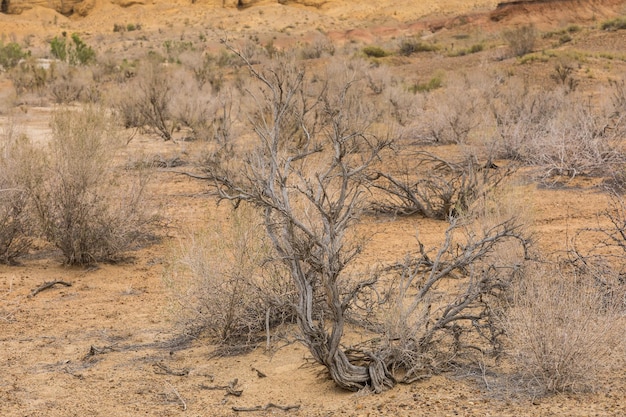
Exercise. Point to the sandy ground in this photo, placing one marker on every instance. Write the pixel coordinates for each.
(105, 346)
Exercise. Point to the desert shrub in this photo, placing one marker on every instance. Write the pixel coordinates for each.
(173, 49)
(521, 40)
(411, 46)
(443, 306)
(208, 114)
(222, 286)
(375, 51)
(433, 187)
(76, 52)
(70, 84)
(614, 24)
(82, 206)
(563, 75)
(205, 68)
(521, 117)
(435, 82)
(581, 140)
(308, 171)
(478, 47)
(18, 172)
(11, 54)
(317, 49)
(564, 331)
(31, 76)
(561, 133)
(150, 106)
(452, 114)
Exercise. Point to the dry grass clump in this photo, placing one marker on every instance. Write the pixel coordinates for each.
(564, 331)
(222, 285)
(82, 208)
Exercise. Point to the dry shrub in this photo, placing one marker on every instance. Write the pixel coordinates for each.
(521, 40)
(433, 187)
(72, 84)
(17, 162)
(581, 140)
(31, 76)
(564, 331)
(443, 306)
(561, 133)
(150, 104)
(84, 208)
(207, 113)
(521, 116)
(453, 114)
(222, 286)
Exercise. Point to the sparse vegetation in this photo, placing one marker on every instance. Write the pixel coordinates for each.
(522, 40)
(362, 189)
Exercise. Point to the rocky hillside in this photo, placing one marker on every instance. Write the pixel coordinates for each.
(84, 7)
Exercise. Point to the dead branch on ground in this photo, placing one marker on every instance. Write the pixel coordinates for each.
(94, 350)
(47, 285)
(175, 391)
(267, 406)
(163, 369)
(230, 388)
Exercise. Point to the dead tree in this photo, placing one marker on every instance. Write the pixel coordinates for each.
(314, 145)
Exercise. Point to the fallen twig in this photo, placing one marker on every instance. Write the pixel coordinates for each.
(95, 350)
(182, 401)
(267, 406)
(230, 388)
(161, 368)
(47, 285)
(189, 174)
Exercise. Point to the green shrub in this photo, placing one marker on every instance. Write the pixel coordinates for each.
(375, 52)
(58, 48)
(434, 83)
(479, 47)
(565, 38)
(11, 54)
(411, 46)
(76, 53)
